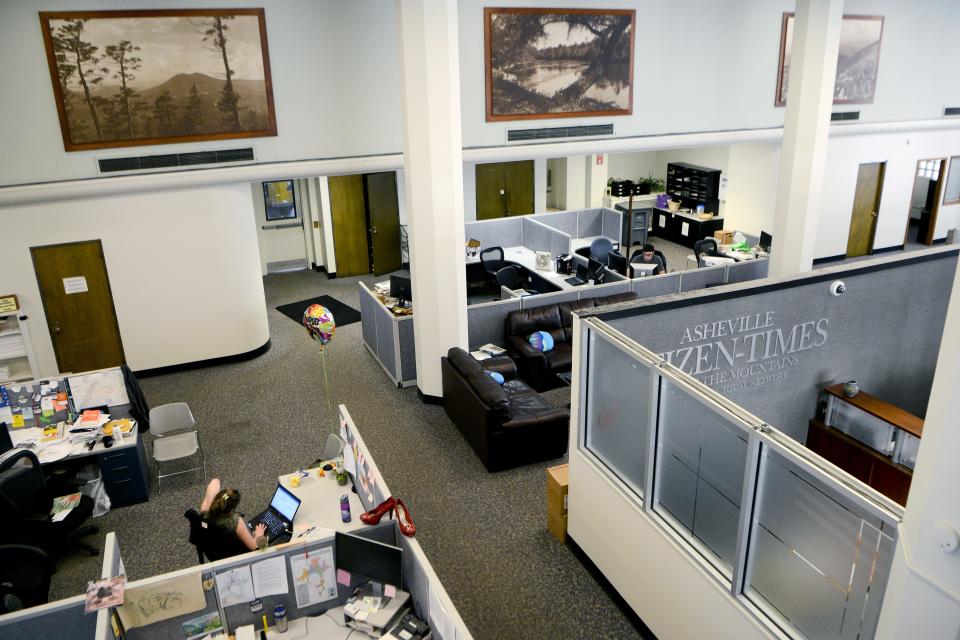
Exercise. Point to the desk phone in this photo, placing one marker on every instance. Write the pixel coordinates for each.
(409, 627)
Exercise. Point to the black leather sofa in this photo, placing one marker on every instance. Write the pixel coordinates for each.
(538, 368)
(507, 425)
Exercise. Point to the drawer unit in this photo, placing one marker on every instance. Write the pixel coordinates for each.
(124, 474)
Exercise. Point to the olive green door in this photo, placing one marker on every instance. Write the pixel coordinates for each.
(866, 204)
(349, 215)
(384, 212)
(504, 189)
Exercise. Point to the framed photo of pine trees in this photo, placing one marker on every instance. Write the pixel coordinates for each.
(129, 78)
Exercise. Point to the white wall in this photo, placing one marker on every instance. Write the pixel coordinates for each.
(632, 166)
(753, 173)
(183, 270)
(336, 86)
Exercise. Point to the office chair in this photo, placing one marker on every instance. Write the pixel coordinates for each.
(166, 419)
(210, 542)
(25, 503)
(332, 447)
(24, 577)
(599, 249)
(509, 277)
(639, 254)
(708, 248)
(493, 259)
(657, 252)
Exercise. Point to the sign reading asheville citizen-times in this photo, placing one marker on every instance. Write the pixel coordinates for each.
(739, 353)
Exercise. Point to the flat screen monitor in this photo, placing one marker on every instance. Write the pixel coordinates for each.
(400, 288)
(594, 267)
(373, 560)
(617, 262)
(581, 272)
(765, 241)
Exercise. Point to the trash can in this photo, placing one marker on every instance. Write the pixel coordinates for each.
(94, 488)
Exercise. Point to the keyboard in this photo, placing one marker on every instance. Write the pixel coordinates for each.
(574, 281)
(274, 524)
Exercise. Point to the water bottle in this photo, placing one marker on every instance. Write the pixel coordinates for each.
(345, 508)
(280, 618)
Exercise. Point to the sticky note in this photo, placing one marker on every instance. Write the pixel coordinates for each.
(18, 420)
(389, 590)
(343, 577)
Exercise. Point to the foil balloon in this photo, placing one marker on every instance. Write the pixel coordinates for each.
(319, 324)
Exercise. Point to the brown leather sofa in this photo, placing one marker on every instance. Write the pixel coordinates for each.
(507, 425)
(538, 368)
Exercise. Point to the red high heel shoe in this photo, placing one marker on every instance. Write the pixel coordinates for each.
(402, 513)
(373, 516)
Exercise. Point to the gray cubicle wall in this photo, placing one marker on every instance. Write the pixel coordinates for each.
(700, 278)
(486, 321)
(565, 221)
(61, 620)
(389, 338)
(612, 224)
(748, 270)
(538, 236)
(590, 223)
(661, 285)
(503, 232)
(772, 345)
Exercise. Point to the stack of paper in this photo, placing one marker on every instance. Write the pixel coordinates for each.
(91, 418)
(63, 505)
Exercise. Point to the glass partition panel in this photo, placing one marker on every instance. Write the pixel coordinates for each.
(817, 561)
(701, 456)
(618, 410)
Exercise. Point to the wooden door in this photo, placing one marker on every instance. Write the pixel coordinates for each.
(931, 208)
(866, 203)
(78, 304)
(384, 213)
(491, 191)
(348, 212)
(518, 179)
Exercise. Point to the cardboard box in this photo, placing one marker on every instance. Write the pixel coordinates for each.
(723, 236)
(558, 480)
(557, 524)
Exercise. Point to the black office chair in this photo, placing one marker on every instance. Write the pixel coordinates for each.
(599, 249)
(25, 503)
(210, 542)
(705, 247)
(508, 277)
(657, 252)
(24, 577)
(492, 259)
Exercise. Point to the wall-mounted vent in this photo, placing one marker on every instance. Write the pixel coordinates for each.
(169, 160)
(951, 112)
(554, 133)
(844, 116)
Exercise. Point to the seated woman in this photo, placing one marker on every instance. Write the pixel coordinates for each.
(219, 509)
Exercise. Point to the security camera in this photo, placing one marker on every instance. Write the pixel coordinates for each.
(837, 288)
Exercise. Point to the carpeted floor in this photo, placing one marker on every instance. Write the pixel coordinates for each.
(485, 534)
(342, 314)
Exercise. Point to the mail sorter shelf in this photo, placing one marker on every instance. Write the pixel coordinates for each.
(17, 362)
(692, 185)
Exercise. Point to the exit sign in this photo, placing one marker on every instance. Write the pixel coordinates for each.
(599, 158)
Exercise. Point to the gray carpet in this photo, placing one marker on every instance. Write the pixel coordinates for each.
(484, 534)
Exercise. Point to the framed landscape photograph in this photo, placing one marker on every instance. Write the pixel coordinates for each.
(857, 62)
(128, 78)
(558, 63)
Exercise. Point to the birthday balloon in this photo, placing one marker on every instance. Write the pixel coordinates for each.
(319, 324)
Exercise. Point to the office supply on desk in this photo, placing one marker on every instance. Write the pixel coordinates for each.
(408, 627)
(617, 262)
(373, 560)
(401, 289)
(543, 260)
(563, 263)
(580, 277)
(766, 241)
(278, 516)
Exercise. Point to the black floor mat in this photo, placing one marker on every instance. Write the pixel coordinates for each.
(342, 314)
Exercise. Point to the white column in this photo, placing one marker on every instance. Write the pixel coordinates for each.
(539, 185)
(433, 170)
(597, 172)
(922, 599)
(812, 72)
(576, 183)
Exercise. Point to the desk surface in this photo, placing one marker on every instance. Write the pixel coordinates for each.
(527, 258)
(320, 506)
(77, 449)
(740, 256)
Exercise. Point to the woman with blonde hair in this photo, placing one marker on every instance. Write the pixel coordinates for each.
(219, 508)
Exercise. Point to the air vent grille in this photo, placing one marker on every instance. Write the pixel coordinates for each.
(553, 133)
(168, 160)
(951, 112)
(844, 116)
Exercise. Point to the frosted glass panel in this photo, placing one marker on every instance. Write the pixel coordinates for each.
(815, 559)
(618, 395)
(700, 463)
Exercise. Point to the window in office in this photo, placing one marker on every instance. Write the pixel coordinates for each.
(278, 197)
(951, 190)
(929, 169)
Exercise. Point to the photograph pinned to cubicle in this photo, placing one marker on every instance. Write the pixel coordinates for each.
(104, 593)
(314, 577)
(202, 626)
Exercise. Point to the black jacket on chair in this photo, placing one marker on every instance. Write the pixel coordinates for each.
(506, 425)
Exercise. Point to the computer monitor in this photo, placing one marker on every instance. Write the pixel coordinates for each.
(285, 503)
(400, 288)
(617, 262)
(594, 267)
(373, 560)
(581, 272)
(765, 241)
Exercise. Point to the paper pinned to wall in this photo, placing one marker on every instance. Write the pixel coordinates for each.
(314, 578)
(269, 577)
(76, 284)
(685, 228)
(235, 586)
(104, 388)
(440, 619)
(161, 601)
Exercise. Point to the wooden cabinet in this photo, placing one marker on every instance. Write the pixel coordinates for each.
(683, 228)
(872, 440)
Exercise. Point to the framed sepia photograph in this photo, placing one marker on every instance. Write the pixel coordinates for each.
(857, 62)
(558, 63)
(129, 78)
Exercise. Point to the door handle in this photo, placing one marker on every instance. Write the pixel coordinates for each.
(56, 326)
(373, 230)
(874, 214)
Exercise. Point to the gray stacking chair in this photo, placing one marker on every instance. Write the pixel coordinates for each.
(165, 420)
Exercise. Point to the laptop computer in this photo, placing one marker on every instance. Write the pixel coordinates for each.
(579, 278)
(278, 517)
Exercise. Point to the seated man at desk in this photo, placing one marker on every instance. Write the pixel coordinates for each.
(646, 255)
(219, 506)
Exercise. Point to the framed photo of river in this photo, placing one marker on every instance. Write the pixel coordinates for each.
(558, 63)
(129, 78)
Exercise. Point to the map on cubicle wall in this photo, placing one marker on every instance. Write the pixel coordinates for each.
(100, 389)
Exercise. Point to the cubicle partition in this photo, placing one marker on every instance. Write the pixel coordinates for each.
(486, 321)
(61, 620)
(389, 338)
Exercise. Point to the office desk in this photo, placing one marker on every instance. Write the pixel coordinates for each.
(739, 256)
(320, 506)
(527, 258)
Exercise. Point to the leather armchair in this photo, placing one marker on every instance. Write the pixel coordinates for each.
(506, 425)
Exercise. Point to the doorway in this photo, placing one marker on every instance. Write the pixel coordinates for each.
(78, 303)
(281, 217)
(366, 223)
(866, 204)
(925, 201)
(504, 189)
